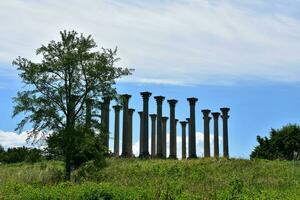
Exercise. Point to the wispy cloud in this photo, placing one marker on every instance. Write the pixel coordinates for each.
(169, 42)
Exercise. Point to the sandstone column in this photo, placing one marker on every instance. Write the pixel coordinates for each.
(188, 134)
(225, 117)
(125, 139)
(183, 150)
(206, 132)
(145, 95)
(164, 136)
(129, 147)
(153, 134)
(192, 133)
(216, 133)
(141, 132)
(117, 109)
(159, 101)
(172, 103)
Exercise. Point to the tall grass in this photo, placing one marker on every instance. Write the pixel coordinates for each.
(155, 179)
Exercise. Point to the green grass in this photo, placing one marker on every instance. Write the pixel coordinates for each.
(154, 179)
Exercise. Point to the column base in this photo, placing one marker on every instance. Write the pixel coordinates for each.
(173, 157)
(144, 155)
(192, 157)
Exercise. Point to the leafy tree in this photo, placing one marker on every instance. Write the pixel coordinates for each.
(1, 149)
(21, 154)
(57, 88)
(283, 143)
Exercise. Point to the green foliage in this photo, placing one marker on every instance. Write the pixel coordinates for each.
(155, 179)
(58, 88)
(283, 143)
(21, 154)
(87, 146)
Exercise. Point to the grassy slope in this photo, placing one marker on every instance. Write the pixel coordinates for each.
(165, 179)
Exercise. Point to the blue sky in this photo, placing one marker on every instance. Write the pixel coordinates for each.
(240, 54)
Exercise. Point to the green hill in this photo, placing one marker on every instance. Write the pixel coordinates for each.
(154, 179)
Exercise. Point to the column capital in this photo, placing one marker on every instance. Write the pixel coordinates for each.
(153, 116)
(188, 120)
(215, 115)
(225, 110)
(205, 112)
(140, 113)
(159, 99)
(130, 111)
(192, 100)
(117, 107)
(176, 120)
(165, 118)
(125, 96)
(146, 94)
(183, 123)
(172, 102)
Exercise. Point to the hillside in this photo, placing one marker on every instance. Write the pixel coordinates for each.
(154, 179)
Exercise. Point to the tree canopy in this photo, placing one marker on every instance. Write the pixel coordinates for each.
(56, 89)
(284, 143)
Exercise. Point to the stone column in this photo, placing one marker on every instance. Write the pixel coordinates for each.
(88, 112)
(188, 134)
(206, 132)
(141, 132)
(129, 147)
(117, 109)
(145, 150)
(192, 133)
(172, 103)
(153, 134)
(164, 136)
(216, 133)
(183, 149)
(225, 117)
(159, 101)
(105, 119)
(125, 139)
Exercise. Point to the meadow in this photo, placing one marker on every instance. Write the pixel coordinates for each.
(154, 179)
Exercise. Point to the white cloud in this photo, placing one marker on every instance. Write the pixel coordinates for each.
(12, 139)
(168, 42)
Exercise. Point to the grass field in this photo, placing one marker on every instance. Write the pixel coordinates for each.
(154, 179)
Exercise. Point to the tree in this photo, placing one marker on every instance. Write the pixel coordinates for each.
(283, 143)
(57, 88)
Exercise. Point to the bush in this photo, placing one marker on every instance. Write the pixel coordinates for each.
(21, 154)
(283, 143)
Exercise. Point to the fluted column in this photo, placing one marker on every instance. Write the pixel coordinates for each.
(125, 139)
(192, 133)
(164, 136)
(225, 117)
(159, 101)
(206, 119)
(105, 119)
(145, 95)
(141, 132)
(216, 133)
(129, 147)
(153, 135)
(88, 112)
(117, 109)
(172, 103)
(183, 136)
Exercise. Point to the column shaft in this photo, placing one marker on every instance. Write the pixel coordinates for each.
(225, 117)
(206, 119)
(183, 136)
(141, 133)
(145, 95)
(159, 101)
(164, 136)
(125, 139)
(173, 154)
(130, 133)
(216, 134)
(192, 134)
(153, 135)
(117, 109)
